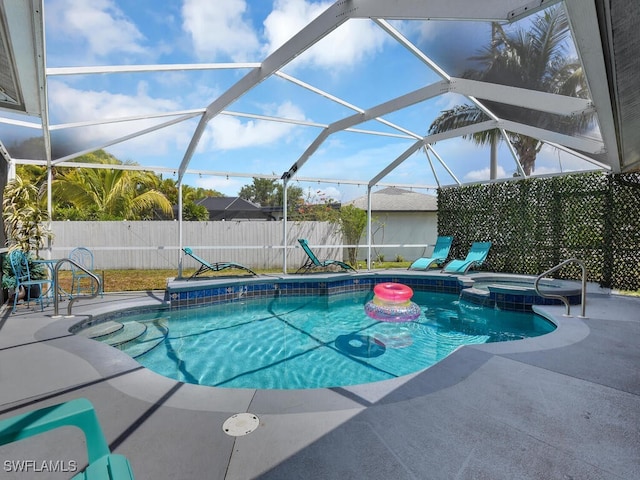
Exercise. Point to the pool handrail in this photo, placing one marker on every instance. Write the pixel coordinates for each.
(563, 298)
(56, 296)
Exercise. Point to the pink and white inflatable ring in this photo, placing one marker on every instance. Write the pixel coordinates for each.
(393, 292)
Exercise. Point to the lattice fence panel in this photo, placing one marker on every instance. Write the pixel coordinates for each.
(622, 245)
(535, 224)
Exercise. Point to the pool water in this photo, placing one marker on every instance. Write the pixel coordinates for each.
(314, 342)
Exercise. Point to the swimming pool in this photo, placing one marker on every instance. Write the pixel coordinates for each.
(288, 342)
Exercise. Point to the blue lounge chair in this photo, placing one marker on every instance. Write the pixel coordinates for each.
(439, 256)
(103, 465)
(20, 266)
(476, 256)
(313, 261)
(213, 267)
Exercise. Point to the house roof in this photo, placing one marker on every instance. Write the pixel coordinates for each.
(232, 207)
(228, 203)
(392, 199)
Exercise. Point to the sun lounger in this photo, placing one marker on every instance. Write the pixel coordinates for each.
(213, 267)
(476, 256)
(439, 256)
(313, 262)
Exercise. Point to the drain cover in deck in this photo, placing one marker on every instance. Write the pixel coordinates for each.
(240, 424)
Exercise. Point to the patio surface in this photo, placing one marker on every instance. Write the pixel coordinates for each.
(562, 406)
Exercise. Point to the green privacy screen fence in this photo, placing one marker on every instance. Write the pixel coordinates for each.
(535, 224)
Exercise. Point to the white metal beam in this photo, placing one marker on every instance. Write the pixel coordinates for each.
(514, 154)
(398, 103)
(577, 143)
(498, 10)
(522, 97)
(392, 166)
(586, 31)
(580, 156)
(317, 29)
(100, 69)
(342, 102)
(124, 138)
(395, 34)
(108, 121)
(463, 131)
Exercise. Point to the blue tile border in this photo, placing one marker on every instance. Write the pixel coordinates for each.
(199, 295)
(192, 294)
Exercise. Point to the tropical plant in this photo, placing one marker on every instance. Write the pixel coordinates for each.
(534, 59)
(37, 271)
(25, 217)
(115, 194)
(25, 227)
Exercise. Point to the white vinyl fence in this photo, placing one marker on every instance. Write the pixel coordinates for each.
(156, 245)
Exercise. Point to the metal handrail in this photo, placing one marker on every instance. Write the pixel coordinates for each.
(563, 298)
(56, 299)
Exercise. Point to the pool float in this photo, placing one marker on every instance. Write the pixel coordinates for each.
(360, 345)
(392, 303)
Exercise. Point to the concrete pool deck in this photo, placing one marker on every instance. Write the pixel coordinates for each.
(562, 406)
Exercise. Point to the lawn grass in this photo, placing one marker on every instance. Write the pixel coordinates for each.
(143, 280)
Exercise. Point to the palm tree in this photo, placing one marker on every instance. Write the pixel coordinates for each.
(114, 193)
(534, 59)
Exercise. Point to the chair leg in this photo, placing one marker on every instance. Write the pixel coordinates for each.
(16, 294)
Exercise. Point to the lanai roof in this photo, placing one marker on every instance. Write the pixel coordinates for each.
(604, 35)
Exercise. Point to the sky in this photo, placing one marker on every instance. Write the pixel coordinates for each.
(358, 63)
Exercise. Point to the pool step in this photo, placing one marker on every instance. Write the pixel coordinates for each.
(477, 296)
(153, 336)
(105, 329)
(129, 332)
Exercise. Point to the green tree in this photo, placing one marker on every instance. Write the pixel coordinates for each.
(113, 194)
(534, 59)
(190, 195)
(270, 193)
(262, 191)
(352, 222)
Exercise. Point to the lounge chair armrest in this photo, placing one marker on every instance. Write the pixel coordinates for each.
(77, 413)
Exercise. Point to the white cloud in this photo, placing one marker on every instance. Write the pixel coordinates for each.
(227, 186)
(482, 174)
(71, 105)
(348, 44)
(219, 29)
(100, 26)
(227, 133)
(321, 195)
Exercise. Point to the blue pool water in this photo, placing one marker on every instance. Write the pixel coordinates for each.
(313, 342)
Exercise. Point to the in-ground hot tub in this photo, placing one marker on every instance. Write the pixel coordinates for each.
(517, 292)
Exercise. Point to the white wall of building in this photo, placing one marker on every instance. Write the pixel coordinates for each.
(401, 228)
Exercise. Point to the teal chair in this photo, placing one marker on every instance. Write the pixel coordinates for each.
(103, 465)
(213, 267)
(33, 288)
(439, 256)
(313, 261)
(81, 281)
(476, 257)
